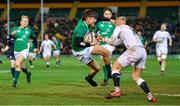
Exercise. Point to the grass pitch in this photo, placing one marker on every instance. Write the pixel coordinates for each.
(65, 85)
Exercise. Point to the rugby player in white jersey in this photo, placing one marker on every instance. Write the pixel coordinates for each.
(161, 38)
(46, 46)
(135, 54)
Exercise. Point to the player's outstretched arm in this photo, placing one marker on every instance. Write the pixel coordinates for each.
(110, 41)
(40, 49)
(5, 49)
(14, 32)
(170, 41)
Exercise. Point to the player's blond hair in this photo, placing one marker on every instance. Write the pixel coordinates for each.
(122, 18)
(164, 24)
(25, 16)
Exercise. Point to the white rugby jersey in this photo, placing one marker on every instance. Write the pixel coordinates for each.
(46, 45)
(162, 38)
(126, 35)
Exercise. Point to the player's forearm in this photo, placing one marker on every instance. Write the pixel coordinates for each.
(110, 41)
(145, 45)
(5, 49)
(40, 50)
(156, 41)
(80, 42)
(170, 42)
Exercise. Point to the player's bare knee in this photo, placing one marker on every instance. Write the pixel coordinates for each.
(163, 57)
(106, 53)
(159, 58)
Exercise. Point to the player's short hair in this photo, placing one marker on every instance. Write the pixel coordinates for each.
(107, 9)
(88, 13)
(122, 18)
(24, 16)
(164, 24)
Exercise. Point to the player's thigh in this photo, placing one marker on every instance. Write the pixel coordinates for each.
(56, 53)
(124, 59)
(46, 55)
(19, 60)
(158, 52)
(84, 55)
(141, 62)
(97, 49)
(94, 65)
(130, 56)
(109, 48)
(116, 66)
(30, 57)
(164, 53)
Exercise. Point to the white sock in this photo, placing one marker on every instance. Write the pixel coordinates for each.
(47, 63)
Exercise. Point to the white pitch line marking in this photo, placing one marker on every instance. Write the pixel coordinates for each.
(4, 71)
(168, 94)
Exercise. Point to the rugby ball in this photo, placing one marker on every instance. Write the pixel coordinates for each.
(89, 37)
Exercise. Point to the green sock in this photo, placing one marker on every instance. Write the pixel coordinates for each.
(16, 76)
(108, 68)
(25, 71)
(105, 73)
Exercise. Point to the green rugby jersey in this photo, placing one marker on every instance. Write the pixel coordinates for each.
(143, 39)
(105, 29)
(80, 30)
(22, 38)
(57, 43)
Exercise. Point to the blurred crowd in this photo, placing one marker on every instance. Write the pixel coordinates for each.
(62, 28)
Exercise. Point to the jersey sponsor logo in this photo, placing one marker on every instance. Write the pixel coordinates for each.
(20, 39)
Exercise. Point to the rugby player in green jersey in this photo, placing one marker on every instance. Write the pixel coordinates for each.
(142, 38)
(84, 50)
(105, 29)
(57, 50)
(22, 34)
(32, 52)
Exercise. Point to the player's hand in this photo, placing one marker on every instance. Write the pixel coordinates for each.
(2, 50)
(170, 44)
(14, 32)
(38, 52)
(95, 42)
(99, 38)
(113, 21)
(105, 40)
(35, 50)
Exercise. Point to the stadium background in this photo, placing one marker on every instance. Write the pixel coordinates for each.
(60, 17)
(66, 84)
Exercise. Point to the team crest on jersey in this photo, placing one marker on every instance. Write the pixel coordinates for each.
(26, 32)
(110, 26)
(102, 25)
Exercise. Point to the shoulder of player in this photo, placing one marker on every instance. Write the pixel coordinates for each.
(80, 29)
(14, 28)
(167, 32)
(51, 41)
(158, 31)
(29, 29)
